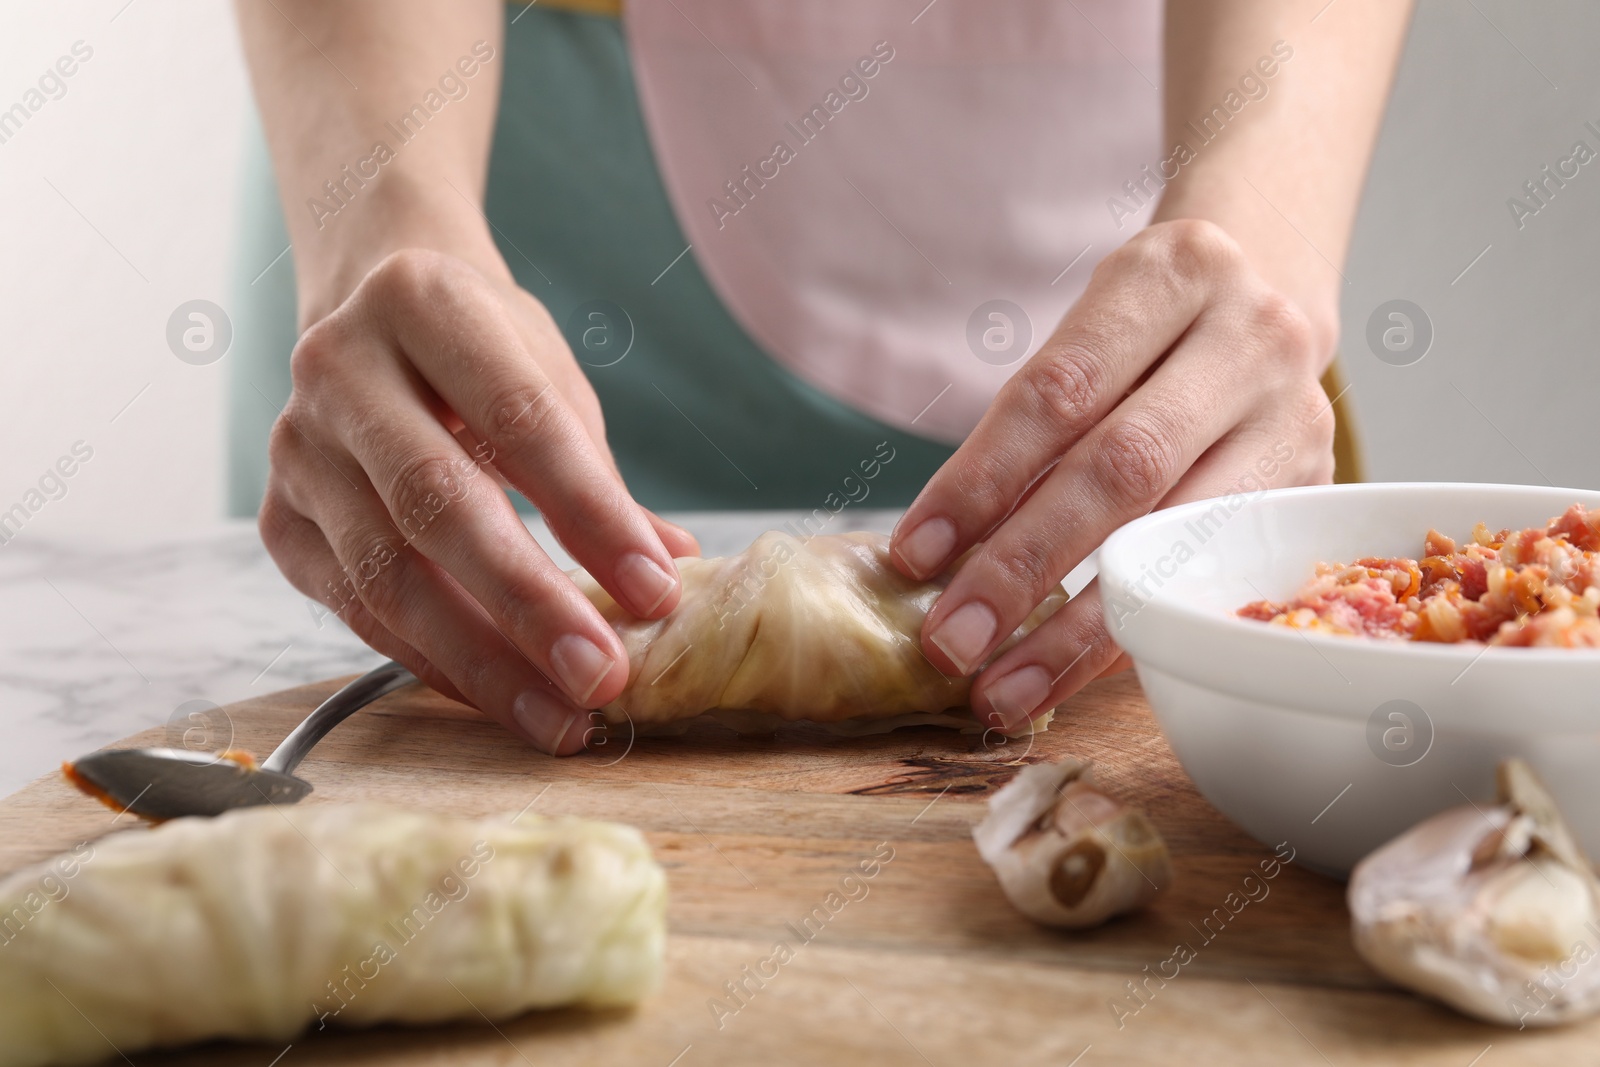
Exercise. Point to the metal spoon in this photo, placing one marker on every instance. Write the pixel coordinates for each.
(168, 783)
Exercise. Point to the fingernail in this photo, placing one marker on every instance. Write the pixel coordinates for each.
(926, 546)
(579, 665)
(644, 583)
(1015, 697)
(545, 721)
(965, 634)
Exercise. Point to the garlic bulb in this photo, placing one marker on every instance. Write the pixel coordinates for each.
(1495, 910)
(1067, 854)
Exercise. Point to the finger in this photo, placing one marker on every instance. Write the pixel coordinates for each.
(413, 598)
(1063, 654)
(457, 334)
(1140, 301)
(1293, 447)
(1117, 472)
(1064, 649)
(303, 555)
(1118, 665)
(442, 505)
(678, 541)
(416, 599)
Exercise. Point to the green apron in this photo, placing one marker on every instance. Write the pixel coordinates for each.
(698, 416)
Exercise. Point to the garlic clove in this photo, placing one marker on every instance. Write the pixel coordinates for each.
(1067, 854)
(1540, 910)
(1495, 911)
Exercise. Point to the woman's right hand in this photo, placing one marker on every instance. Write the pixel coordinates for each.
(428, 381)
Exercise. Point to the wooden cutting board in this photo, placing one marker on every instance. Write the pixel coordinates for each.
(927, 964)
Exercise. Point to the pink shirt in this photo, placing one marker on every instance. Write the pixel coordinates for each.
(858, 179)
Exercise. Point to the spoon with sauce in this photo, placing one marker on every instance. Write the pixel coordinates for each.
(169, 783)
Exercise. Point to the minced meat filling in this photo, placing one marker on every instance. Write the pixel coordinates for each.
(1538, 587)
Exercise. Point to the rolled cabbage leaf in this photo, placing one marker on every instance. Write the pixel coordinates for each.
(259, 923)
(821, 629)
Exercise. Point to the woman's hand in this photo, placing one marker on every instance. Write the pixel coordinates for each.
(428, 381)
(424, 373)
(1178, 374)
(1189, 367)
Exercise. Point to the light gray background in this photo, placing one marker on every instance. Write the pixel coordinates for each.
(144, 150)
(1487, 94)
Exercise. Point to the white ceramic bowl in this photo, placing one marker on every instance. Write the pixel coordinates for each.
(1296, 736)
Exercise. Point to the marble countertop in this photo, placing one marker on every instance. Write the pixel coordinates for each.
(101, 640)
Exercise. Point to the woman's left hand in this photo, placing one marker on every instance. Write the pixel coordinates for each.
(1180, 374)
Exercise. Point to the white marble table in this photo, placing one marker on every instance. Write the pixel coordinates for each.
(100, 640)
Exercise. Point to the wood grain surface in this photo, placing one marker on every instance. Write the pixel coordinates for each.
(925, 963)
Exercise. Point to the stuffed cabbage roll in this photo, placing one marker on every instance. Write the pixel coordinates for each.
(261, 922)
(823, 629)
